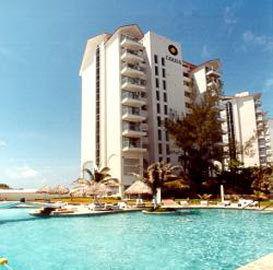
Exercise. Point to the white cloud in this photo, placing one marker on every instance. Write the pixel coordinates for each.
(229, 16)
(269, 83)
(24, 172)
(265, 42)
(3, 144)
(205, 52)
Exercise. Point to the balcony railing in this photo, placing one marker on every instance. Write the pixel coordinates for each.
(131, 144)
(133, 81)
(136, 53)
(132, 127)
(131, 95)
(135, 67)
(131, 110)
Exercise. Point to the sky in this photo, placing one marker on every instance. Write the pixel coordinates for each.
(41, 46)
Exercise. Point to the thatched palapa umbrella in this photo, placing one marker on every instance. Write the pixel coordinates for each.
(138, 188)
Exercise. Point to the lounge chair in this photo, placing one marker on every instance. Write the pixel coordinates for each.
(225, 203)
(170, 203)
(204, 203)
(184, 203)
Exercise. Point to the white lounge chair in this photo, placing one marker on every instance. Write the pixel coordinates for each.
(184, 203)
(225, 203)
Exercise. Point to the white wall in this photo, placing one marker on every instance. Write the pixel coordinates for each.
(113, 104)
(200, 80)
(158, 45)
(246, 127)
(88, 127)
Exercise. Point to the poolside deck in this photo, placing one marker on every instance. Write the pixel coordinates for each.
(263, 263)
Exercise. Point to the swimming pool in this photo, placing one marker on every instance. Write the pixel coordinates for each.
(197, 239)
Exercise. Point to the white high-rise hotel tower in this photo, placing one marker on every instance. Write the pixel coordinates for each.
(131, 83)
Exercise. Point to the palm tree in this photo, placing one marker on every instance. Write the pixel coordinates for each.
(161, 175)
(97, 178)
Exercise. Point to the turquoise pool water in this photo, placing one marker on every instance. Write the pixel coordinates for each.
(198, 239)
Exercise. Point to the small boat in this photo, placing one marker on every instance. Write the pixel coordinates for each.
(161, 211)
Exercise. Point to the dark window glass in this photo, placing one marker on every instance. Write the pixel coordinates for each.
(164, 85)
(163, 61)
(167, 136)
(158, 107)
(185, 74)
(165, 109)
(160, 159)
(156, 70)
(168, 160)
(188, 105)
(159, 121)
(157, 95)
(163, 73)
(165, 96)
(187, 94)
(160, 148)
(155, 58)
(159, 132)
(156, 82)
(167, 149)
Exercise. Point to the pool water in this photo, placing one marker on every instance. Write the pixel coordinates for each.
(197, 239)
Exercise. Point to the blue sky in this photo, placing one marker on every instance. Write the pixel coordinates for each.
(41, 46)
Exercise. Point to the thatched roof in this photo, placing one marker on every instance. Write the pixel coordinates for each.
(44, 189)
(138, 188)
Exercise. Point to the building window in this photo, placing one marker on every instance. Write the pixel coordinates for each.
(188, 105)
(158, 107)
(185, 74)
(167, 136)
(164, 85)
(167, 149)
(163, 72)
(168, 160)
(165, 96)
(156, 70)
(165, 109)
(160, 148)
(160, 159)
(157, 95)
(187, 94)
(156, 59)
(156, 82)
(159, 133)
(159, 121)
(163, 61)
(98, 106)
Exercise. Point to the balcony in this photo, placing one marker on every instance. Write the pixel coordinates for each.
(131, 56)
(132, 131)
(134, 85)
(221, 119)
(213, 72)
(130, 43)
(132, 114)
(132, 99)
(132, 146)
(212, 83)
(134, 71)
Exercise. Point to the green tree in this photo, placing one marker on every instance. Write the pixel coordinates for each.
(198, 135)
(4, 186)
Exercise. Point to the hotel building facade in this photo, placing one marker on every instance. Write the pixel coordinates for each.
(131, 83)
(246, 130)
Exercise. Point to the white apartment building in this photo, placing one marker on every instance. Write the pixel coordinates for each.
(246, 136)
(270, 135)
(131, 83)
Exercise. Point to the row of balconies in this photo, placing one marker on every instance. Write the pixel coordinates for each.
(132, 82)
(212, 72)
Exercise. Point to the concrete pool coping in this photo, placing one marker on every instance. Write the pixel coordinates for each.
(263, 263)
